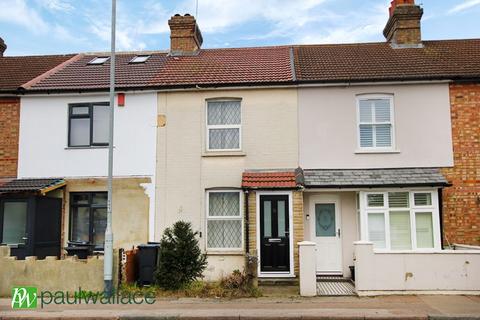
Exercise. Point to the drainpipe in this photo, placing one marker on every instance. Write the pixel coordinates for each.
(440, 213)
(247, 224)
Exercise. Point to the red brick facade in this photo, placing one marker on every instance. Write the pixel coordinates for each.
(9, 130)
(461, 202)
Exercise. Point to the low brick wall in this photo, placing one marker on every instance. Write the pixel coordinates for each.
(52, 274)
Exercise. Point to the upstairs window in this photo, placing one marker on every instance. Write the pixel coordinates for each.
(88, 124)
(223, 125)
(375, 122)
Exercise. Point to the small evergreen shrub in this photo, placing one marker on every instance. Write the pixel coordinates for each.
(180, 258)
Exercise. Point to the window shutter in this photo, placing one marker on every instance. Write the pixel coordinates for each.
(383, 134)
(400, 237)
(398, 200)
(376, 229)
(424, 226)
(366, 135)
(365, 111)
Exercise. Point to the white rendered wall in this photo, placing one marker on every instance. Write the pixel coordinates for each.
(43, 147)
(448, 271)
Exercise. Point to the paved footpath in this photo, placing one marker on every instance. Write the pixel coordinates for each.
(386, 307)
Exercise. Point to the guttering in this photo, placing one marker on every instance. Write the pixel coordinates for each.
(378, 186)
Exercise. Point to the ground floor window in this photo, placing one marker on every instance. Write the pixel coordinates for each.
(88, 217)
(401, 220)
(224, 220)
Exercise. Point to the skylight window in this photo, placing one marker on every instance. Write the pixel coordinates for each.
(140, 59)
(99, 60)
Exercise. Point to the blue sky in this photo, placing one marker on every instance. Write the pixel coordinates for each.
(67, 26)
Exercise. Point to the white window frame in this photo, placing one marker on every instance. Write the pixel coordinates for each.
(364, 97)
(226, 126)
(385, 210)
(208, 218)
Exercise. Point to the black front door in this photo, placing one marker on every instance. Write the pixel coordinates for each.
(274, 233)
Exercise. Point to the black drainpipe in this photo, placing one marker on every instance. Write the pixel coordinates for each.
(247, 225)
(440, 212)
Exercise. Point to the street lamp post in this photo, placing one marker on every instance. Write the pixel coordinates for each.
(108, 253)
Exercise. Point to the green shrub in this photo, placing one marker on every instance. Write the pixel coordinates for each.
(180, 258)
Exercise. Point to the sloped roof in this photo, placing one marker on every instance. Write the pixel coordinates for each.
(80, 75)
(370, 178)
(209, 67)
(31, 185)
(275, 65)
(16, 71)
(272, 179)
(444, 59)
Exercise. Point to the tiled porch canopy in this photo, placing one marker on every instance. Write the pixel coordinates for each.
(272, 179)
(41, 185)
(374, 178)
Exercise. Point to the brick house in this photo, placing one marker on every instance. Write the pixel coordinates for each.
(264, 148)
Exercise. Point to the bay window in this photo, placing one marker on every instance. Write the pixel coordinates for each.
(401, 220)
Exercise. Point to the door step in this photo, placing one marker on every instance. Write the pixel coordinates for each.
(330, 278)
(335, 288)
(278, 282)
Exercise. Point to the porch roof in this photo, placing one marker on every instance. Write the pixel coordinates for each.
(42, 185)
(272, 179)
(373, 178)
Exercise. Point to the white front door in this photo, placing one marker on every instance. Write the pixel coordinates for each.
(326, 229)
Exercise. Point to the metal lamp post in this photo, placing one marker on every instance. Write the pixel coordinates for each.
(108, 254)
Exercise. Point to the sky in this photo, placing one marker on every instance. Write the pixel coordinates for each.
(31, 27)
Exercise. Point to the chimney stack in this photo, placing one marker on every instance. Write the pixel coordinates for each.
(403, 26)
(185, 36)
(3, 47)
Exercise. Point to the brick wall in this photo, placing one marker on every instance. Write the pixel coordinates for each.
(9, 130)
(461, 202)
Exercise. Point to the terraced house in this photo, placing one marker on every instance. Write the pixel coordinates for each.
(368, 151)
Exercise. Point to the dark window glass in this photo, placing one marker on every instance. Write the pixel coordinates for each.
(88, 218)
(88, 124)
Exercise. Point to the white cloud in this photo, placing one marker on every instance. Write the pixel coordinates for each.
(466, 4)
(21, 13)
(56, 5)
(352, 27)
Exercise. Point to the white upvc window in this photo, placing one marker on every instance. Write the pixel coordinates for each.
(224, 125)
(401, 220)
(224, 220)
(375, 123)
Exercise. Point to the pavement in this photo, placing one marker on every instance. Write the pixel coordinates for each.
(438, 307)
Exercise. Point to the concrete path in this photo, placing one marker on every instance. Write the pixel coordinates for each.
(386, 307)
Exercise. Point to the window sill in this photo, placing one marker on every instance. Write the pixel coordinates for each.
(91, 147)
(379, 151)
(224, 154)
(225, 253)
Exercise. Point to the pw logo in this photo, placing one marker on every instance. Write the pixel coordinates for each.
(24, 298)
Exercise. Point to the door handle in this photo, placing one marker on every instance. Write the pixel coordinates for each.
(24, 238)
(338, 232)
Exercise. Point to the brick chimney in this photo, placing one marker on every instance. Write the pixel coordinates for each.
(403, 26)
(3, 47)
(185, 36)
